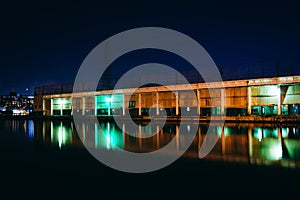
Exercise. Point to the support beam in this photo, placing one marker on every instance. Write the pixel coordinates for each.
(123, 108)
(44, 107)
(140, 104)
(198, 102)
(222, 101)
(157, 104)
(109, 106)
(51, 112)
(83, 106)
(177, 103)
(95, 105)
(249, 100)
(61, 109)
(279, 101)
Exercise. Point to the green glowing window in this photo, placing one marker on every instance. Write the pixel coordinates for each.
(62, 103)
(131, 104)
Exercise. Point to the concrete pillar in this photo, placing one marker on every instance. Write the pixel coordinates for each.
(279, 101)
(44, 107)
(177, 103)
(123, 108)
(83, 106)
(109, 107)
(222, 101)
(61, 108)
(198, 102)
(249, 100)
(140, 104)
(95, 105)
(157, 104)
(51, 112)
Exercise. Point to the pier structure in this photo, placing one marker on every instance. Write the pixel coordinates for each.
(249, 99)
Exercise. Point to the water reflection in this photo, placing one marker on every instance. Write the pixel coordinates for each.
(254, 144)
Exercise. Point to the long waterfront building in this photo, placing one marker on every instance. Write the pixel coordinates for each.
(278, 96)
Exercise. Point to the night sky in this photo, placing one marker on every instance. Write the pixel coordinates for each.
(45, 43)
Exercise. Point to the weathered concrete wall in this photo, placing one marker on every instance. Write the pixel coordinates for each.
(264, 95)
(187, 99)
(292, 95)
(210, 98)
(236, 97)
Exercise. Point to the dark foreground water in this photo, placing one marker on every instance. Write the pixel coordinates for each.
(49, 156)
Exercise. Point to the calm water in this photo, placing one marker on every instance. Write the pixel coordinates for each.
(249, 143)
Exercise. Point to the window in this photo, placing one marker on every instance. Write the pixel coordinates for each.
(131, 104)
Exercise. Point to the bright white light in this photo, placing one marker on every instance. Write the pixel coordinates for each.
(188, 109)
(60, 101)
(273, 90)
(276, 151)
(107, 99)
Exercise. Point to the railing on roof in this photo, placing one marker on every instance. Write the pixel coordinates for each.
(280, 68)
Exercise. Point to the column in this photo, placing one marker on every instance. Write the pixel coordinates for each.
(83, 106)
(95, 105)
(157, 105)
(123, 105)
(61, 107)
(222, 101)
(279, 101)
(44, 107)
(109, 106)
(177, 103)
(51, 112)
(198, 102)
(249, 100)
(140, 104)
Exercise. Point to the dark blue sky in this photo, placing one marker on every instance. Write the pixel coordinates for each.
(43, 43)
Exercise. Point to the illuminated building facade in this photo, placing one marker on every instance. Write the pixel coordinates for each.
(279, 96)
